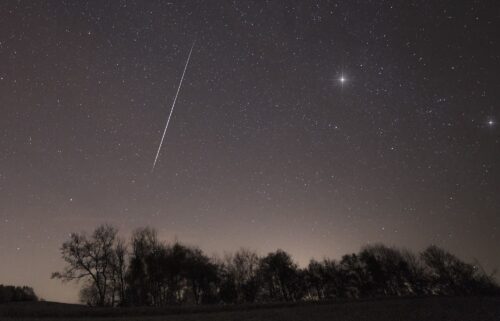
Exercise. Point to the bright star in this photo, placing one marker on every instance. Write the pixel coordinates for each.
(342, 80)
(491, 122)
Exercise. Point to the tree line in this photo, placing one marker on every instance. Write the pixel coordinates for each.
(148, 272)
(10, 293)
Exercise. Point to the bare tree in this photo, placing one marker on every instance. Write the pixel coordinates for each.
(118, 272)
(89, 258)
(448, 274)
(316, 280)
(144, 244)
(155, 273)
(279, 275)
(241, 268)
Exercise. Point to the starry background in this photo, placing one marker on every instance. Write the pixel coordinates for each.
(267, 148)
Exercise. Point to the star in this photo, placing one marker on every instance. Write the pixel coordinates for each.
(491, 122)
(342, 80)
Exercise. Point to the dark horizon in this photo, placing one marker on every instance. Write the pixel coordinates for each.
(76, 286)
(144, 270)
(315, 127)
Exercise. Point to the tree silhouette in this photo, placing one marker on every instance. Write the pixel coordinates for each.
(317, 279)
(450, 276)
(201, 275)
(118, 272)
(279, 276)
(89, 258)
(390, 271)
(144, 241)
(240, 276)
(155, 273)
(9, 293)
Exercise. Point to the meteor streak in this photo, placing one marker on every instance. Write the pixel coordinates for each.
(172, 108)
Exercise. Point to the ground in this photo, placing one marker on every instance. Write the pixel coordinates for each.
(421, 309)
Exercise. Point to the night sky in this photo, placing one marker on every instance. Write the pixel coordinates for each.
(267, 147)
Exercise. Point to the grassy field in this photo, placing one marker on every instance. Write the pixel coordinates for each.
(421, 309)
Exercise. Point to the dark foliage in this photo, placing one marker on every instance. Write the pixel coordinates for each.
(154, 273)
(9, 293)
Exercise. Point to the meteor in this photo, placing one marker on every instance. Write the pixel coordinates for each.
(172, 108)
